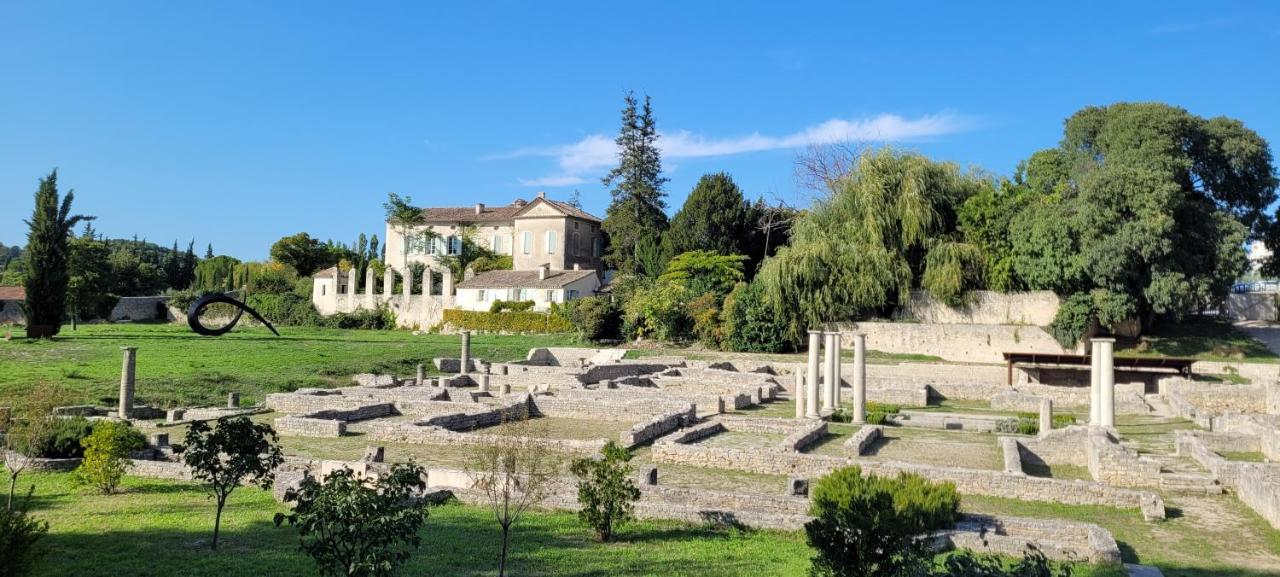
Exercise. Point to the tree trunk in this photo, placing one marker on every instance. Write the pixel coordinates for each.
(502, 561)
(217, 521)
(13, 483)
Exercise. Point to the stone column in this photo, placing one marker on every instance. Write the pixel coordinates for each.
(388, 283)
(828, 372)
(1095, 382)
(233, 400)
(811, 379)
(368, 287)
(426, 281)
(466, 353)
(859, 378)
(799, 394)
(128, 372)
(422, 374)
(1046, 416)
(484, 382)
(446, 284)
(1107, 417)
(838, 345)
(407, 288)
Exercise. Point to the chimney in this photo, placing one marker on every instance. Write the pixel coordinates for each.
(543, 270)
(542, 194)
(577, 266)
(479, 207)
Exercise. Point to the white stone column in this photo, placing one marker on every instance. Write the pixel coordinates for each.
(368, 287)
(426, 281)
(828, 373)
(1107, 370)
(859, 378)
(353, 288)
(811, 379)
(1046, 416)
(799, 394)
(1095, 382)
(388, 283)
(128, 371)
(407, 288)
(838, 345)
(446, 285)
(421, 376)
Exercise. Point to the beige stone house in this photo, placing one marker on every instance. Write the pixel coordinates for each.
(555, 250)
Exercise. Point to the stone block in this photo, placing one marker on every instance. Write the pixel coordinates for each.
(233, 400)
(175, 415)
(373, 454)
(160, 440)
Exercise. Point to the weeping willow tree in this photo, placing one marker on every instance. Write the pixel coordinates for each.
(886, 225)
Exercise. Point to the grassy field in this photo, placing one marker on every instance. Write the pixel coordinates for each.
(160, 528)
(176, 366)
(1203, 339)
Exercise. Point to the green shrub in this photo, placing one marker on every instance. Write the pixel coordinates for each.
(1060, 420)
(20, 534)
(286, 309)
(1080, 311)
(60, 440)
(106, 455)
(516, 306)
(867, 525)
(378, 319)
(596, 318)
(751, 324)
(657, 311)
(605, 489)
(508, 322)
(271, 278)
(969, 564)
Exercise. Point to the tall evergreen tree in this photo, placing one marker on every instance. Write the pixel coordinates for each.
(187, 267)
(208, 251)
(46, 258)
(637, 209)
(173, 266)
(714, 218)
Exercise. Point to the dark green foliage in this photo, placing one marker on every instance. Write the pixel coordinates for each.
(271, 278)
(288, 309)
(866, 526)
(702, 272)
(750, 323)
(91, 279)
(1082, 311)
(216, 274)
(637, 209)
(501, 305)
(472, 253)
(596, 318)
(409, 221)
(715, 218)
(969, 564)
(106, 454)
(20, 535)
(605, 489)
(60, 440)
(507, 322)
(379, 318)
(305, 254)
(46, 253)
(353, 527)
(235, 451)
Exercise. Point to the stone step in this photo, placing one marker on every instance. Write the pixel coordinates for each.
(1199, 483)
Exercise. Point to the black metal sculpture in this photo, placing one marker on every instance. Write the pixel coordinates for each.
(193, 315)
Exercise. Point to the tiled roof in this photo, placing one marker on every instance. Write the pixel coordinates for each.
(524, 279)
(14, 293)
(468, 214)
(567, 209)
(326, 273)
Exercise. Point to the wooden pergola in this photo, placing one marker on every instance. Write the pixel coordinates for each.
(1177, 365)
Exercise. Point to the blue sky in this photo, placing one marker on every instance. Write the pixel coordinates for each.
(237, 123)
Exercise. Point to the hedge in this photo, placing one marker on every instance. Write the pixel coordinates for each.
(508, 322)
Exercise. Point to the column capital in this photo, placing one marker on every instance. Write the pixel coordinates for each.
(124, 348)
(1102, 340)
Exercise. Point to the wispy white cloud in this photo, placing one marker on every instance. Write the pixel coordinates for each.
(592, 154)
(1181, 27)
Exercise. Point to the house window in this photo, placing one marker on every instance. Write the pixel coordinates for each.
(522, 294)
(551, 296)
(322, 289)
(573, 246)
(573, 294)
(497, 244)
(431, 245)
(527, 242)
(482, 296)
(551, 242)
(595, 247)
(455, 245)
(575, 225)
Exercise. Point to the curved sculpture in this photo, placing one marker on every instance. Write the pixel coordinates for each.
(193, 315)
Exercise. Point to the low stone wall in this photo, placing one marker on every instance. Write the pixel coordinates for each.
(948, 421)
(1066, 446)
(160, 470)
(804, 436)
(310, 427)
(1057, 540)
(1265, 427)
(40, 464)
(1016, 401)
(1216, 398)
(903, 396)
(514, 406)
(430, 435)
(657, 427)
(674, 449)
(1012, 455)
(1257, 485)
(859, 441)
(959, 342)
(1111, 463)
(154, 308)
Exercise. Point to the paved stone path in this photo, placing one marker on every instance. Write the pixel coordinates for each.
(1263, 332)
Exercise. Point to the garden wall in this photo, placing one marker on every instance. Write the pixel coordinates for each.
(986, 308)
(961, 343)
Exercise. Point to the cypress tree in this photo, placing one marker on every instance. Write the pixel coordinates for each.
(715, 218)
(46, 258)
(637, 209)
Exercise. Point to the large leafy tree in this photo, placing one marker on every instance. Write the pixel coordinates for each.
(91, 279)
(305, 254)
(637, 208)
(1148, 202)
(48, 249)
(410, 222)
(886, 225)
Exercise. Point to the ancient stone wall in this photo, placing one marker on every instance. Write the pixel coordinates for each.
(1056, 539)
(1257, 485)
(292, 426)
(803, 436)
(1066, 446)
(140, 309)
(1111, 463)
(1011, 453)
(657, 426)
(859, 441)
(986, 308)
(962, 343)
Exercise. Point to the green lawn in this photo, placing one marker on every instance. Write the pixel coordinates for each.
(178, 367)
(1203, 339)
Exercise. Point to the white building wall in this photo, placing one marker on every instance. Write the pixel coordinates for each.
(394, 247)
